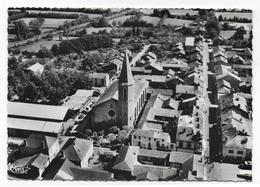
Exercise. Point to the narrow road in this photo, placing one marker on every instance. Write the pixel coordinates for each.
(205, 140)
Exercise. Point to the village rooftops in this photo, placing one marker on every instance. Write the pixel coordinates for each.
(35, 125)
(240, 142)
(162, 172)
(179, 157)
(99, 75)
(153, 153)
(126, 159)
(151, 134)
(38, 161)
(36, 68)
(37, 111)
(78, 149)
(233, 99)
(189, 41)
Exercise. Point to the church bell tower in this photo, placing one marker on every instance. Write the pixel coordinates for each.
(126, 94)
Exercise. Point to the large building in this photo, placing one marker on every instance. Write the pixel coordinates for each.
(123, 100)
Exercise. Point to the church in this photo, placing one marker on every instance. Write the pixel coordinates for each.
(122, 101)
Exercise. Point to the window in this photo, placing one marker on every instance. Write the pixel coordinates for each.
(124, 94)
(162, 140)
(139, 143)
(134, 137)
(240, 152)
(155, 139)
(111, 113)
(230, 151)
(149, 139)
(139, 137)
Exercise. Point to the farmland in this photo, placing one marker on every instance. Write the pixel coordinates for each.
(121, 19)
(35, 47)
(48, 22)
(231, 15)
(168, 21)
(178, 12)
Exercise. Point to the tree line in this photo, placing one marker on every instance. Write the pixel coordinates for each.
(84, 43)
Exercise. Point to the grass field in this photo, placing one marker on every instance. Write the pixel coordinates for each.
(227, 34)
(122, 19)
(48, 22)
(168, 21)
(35, 47)
(228, 15)
(61, 12)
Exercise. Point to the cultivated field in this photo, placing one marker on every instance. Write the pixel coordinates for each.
(122, 19)
(172, 11)
(35, 47)
(168, 21)
(48, 22)
(228, 15)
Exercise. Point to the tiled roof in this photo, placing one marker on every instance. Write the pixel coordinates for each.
(180, 157)
(126, 159)
(151, 134)
(153, 153)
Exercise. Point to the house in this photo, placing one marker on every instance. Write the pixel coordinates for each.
(182, 161)
(237, 149)
(147, 176)
(174, 64)
(37, 68)
(125, 161)
(100, 79)
(159, 110)
(161, 172)
(232, 119)
(224, 87)
(188, 135)
(154, 140)
(189, 42)
(153, 157)
(37, 163)
(49, 145)
(64, 172)
(79, 152)
(236, 102)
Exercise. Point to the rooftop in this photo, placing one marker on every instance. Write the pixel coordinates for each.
(47, 112)
(180, 157)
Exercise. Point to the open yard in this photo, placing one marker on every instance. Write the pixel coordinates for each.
(48, 22)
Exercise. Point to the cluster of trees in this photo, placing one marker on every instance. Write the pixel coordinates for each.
(79, 20)
(51, 86)
(51, 15)
(234, 10)
(165, 12)
(83, 10)
(133, 22)
(235, 19)
(212, 25)
(101, 22)
(22, 30)
(16, 16)
(84, 43)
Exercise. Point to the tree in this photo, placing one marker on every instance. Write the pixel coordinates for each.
(44, 53)
(114, 23)
(239, 34)
(102, 22)
(21, 29)
(220, 18)
(12, 63)
(30, 91)
(55, 49)
(82, 32)
(225, 26)
(212, 27)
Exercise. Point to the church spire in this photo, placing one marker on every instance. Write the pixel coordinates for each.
(126, 73)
